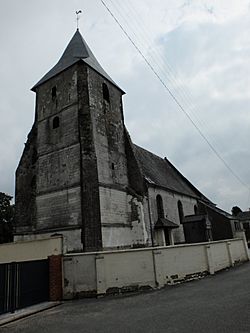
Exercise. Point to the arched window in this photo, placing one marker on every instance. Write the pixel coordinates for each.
(195, 209)
(180, 211)
(34, 156)
(159, 203)
(53, 93)
(105, 92)
(56, 122)
(33, 182)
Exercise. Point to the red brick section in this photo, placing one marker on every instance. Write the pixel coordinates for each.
(55, 278)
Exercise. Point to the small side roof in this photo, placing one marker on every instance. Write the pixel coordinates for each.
(165, 223)
(244, 216)
(77, 50)
(219, 211)
(160, 172)
(194, 218)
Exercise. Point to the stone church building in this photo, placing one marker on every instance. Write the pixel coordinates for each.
(81, 176)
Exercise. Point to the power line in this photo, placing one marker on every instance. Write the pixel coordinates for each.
(172, 77)
(135, 24)
(174, 97)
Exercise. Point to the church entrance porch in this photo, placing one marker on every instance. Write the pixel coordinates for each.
(163, 232)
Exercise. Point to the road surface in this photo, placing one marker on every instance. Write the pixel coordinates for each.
(219, 303)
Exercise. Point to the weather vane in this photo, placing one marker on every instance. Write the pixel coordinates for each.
(78, 12)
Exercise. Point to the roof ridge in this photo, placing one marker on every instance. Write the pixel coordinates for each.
(187, 189)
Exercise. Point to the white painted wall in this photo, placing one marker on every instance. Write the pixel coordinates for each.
(113, 204)
(170, 205)
(30, 250)
(116, 237)
(79, 275)
(221, 258)
(71, 239)
(110, 271)
(119, 228)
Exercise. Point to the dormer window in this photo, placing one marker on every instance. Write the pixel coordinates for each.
(53, 93)
(105, 92)
(56, 122)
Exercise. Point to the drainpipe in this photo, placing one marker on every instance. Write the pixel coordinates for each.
(150, 222)
(153, 244)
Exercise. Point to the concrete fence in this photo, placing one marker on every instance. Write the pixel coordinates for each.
(31, 250)
(117, 271)
(50, 249)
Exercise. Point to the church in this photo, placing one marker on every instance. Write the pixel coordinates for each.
(82, 177)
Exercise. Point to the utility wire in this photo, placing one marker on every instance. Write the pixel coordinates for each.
(161, 65)
(173, 97)
(166, 70)
(172, 76)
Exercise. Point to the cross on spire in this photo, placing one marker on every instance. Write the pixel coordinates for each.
(78, 12)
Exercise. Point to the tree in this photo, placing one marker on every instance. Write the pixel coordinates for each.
(236, 210)
(6, 218)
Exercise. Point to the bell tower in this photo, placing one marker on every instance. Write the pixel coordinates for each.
(74, 159)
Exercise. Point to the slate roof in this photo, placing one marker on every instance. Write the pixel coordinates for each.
(193, 218)
(244, 216)
(77, 50)
(160, 172)
(219, 210)
(165, 223)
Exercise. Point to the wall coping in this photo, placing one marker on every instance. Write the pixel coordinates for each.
(151, 248)
(31, 241)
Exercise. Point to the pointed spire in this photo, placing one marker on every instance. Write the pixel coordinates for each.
(77, 50)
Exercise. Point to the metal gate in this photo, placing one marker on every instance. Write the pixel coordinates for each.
(23, 284)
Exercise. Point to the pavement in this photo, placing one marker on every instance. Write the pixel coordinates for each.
(22, 313)
(214, 304)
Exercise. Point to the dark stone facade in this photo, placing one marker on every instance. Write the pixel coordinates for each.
(25, 208)
(63, 166)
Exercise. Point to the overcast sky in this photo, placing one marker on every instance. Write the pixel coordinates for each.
(200, 49)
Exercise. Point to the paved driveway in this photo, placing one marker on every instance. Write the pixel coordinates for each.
(219, 303)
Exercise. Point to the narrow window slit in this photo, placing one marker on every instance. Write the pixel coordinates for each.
(53, 93)
(56, 122)
(105, 92)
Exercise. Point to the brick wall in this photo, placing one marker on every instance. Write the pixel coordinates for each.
(55, 277)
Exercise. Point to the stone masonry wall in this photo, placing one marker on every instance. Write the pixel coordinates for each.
(25, 200)
(117, 204)
(58, 166)
(91, 218)
(108, 131)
